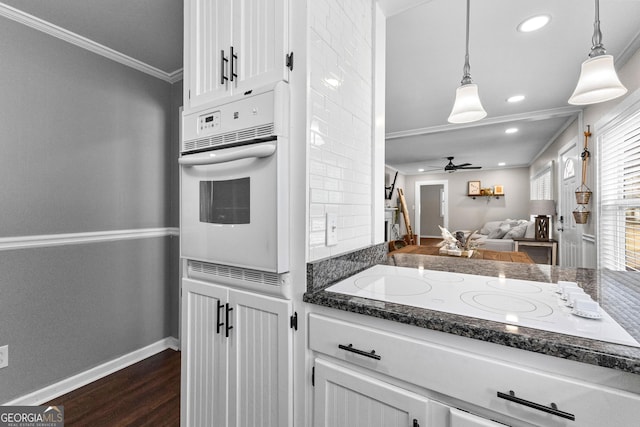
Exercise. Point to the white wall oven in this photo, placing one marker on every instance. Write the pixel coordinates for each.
(234, 209)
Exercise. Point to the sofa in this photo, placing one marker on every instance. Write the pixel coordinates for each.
(499, 235)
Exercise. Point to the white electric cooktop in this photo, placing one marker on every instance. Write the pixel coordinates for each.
(511, 301)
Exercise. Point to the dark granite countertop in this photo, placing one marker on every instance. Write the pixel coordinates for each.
(617, 292)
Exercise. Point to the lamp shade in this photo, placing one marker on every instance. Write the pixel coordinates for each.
(467, 106)
(598, 82)
(542, 207)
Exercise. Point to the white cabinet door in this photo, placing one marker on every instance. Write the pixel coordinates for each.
(260, 40)
(343, 397)
(204, 356)
(236, 358)
(207, 40)
(260, 361)
(233, 46)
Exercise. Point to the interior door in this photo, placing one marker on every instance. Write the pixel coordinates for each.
(435, 202)
(568, 232)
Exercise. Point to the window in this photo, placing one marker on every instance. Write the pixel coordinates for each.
(619, 195)
(541, 184)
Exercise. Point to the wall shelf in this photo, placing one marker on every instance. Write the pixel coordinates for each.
(496, 196)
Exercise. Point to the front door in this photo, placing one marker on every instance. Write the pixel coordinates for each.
(569, 234)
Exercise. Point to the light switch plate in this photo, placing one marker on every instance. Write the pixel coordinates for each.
(332, 229)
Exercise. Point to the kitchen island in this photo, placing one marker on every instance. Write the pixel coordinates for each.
(453, 366)
(617, 292)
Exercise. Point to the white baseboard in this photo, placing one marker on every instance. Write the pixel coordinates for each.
(67, 385)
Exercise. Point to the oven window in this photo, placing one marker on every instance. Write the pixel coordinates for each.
(225, 202)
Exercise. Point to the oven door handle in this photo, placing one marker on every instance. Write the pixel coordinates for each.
(213, 157)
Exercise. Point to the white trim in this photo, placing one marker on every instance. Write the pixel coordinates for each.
(532, 116)
(85, 43)
(21, 242)
(67, 385)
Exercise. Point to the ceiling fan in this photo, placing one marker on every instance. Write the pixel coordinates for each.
(450, 167)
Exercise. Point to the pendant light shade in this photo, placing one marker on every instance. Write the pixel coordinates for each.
(598, 80)
(467, 106)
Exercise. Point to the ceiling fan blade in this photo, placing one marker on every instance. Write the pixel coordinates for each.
(469, 167)
(463, 165)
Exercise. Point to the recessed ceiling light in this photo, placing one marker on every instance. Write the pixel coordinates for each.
(515, 98)
(534, 23)
(511, 130)
(420, 170)
(502, 164)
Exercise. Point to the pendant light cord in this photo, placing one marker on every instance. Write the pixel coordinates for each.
(597, 49)
(466, 71)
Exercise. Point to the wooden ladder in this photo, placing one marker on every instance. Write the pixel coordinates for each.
(405, 215)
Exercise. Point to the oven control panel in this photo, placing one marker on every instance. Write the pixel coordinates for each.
(211, 120)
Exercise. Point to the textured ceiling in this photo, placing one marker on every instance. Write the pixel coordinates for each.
(147, 30)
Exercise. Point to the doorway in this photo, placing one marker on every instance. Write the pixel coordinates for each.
(431, 208)
(569, 234)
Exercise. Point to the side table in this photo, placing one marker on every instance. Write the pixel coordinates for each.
(551, 244)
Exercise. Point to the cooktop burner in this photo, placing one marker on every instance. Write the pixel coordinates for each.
(510, 301)
(507, 304)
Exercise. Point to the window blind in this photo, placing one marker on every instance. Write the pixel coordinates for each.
(541, 185)
(619, 195)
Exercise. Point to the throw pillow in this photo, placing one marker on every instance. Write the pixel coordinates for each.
(490, 226)
(516, 232)
(531, 230)
(499, 233)
(510, 222)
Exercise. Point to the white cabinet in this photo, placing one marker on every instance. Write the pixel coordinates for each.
(236, 358)
(493, 384)
(233, 47)
(343, 397)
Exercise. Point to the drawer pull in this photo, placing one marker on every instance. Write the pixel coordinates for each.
(552, 409)
(372, 354)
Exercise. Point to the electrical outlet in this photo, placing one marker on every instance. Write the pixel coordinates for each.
(4, 356)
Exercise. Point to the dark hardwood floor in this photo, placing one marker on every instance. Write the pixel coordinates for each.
(430, 241)
(144, 394)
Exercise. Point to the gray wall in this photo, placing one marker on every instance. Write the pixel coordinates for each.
(85, 145)
(468, 214)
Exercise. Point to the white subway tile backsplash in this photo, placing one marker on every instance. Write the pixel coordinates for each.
(319, 196)
(340, 134)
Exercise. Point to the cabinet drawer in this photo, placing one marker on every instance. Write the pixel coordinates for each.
(475, 378)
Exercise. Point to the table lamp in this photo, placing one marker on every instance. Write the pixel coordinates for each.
(542, 209)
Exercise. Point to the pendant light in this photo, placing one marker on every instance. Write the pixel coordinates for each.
(467, 106)
(598, 80)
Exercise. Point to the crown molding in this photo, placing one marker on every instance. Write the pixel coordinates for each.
(85, 43)
(530, 116)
